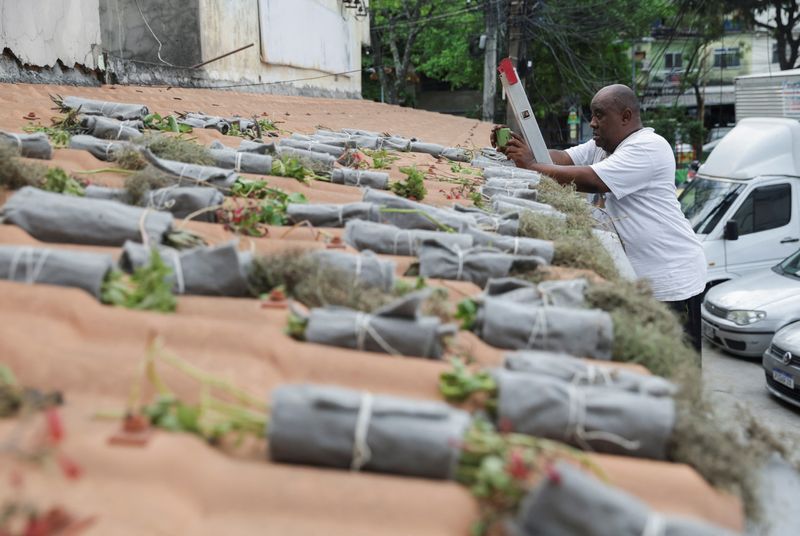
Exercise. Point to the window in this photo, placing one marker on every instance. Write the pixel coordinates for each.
(726, 57)
(673, 60)
(765, 208)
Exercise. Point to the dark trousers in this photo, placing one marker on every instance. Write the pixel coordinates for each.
(688, 311)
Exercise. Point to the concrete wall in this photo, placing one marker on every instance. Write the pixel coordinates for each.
(231, 24)
(175, 23)
(42, 32)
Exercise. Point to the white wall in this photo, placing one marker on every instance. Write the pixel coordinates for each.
(230, 24)
(40, 32)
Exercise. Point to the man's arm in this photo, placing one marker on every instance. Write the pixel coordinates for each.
(562, 170)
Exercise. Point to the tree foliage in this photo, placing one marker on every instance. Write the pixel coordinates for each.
(780, 17)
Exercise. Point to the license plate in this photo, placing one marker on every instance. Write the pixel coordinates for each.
(709, 330)
(783, 378)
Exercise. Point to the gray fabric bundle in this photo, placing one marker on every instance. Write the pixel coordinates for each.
(505, 172)
(577, 371)
(320, 162)
(107, 128)
(259, 147)
(422, 218)
(346, 429)
(503, 204)
(497, 182)
(517, 193)
(506, 225)
(206, 271)
(100, 149)
(377, 143)
(521, 326)
(580, 504)
(35, 145)
(52, 217)
(314, 146)
(328, 215)
(116, 110)
(390, 240)
(451, 153)
(514, 245)
(359, 132)
(61, 267)
(181, 201)
(601, 419)
(357, 177)
(242, 162)
(613, 246)
(569, 293)
(476, 265)
(366, 268)
(484, 162)
(397, 328)
(198, 120)
(192, 174)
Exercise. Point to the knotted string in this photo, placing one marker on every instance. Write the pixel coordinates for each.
(119, 132)
(32, 271)
(594, 375)
(539, 327)
(358, 177)
(238, 165)
(341, 214)
(576, 424)
(108, 148)
(516, 244)
(655, 525)
(460, 271)
(359, 262)
(361, 450)
(179, 279)
(363, 328)
(397, 239)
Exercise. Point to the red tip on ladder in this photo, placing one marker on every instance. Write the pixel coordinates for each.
(507, 68)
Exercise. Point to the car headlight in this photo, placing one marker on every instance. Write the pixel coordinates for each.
(744, 318)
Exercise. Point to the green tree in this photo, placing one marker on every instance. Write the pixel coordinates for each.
(781, 18)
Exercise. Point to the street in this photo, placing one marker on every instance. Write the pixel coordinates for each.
(734, 383)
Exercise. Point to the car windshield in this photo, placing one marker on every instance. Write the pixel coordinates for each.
(705, 201)
(790, 266)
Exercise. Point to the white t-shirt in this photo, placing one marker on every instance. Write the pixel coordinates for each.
(643, 203)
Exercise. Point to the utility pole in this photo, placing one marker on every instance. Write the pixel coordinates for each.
(516, 13)
(490, 61)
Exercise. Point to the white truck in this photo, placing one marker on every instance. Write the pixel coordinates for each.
(744, 203)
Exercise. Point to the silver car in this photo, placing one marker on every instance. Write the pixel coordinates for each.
(782, 364)
(742, 315)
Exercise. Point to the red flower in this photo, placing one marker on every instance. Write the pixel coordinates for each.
(68, 466)
(517, 467)
(55, 428)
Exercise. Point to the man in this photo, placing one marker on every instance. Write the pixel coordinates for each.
(635, 168)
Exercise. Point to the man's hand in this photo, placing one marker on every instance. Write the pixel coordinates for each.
(518, 151)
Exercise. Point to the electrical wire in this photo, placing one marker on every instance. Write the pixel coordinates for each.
(158, 52)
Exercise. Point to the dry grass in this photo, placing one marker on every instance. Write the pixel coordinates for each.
(130, 158)
(145, 180)
(179, 149)
(15, 173)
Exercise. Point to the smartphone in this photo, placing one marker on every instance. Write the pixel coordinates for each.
(502, 136)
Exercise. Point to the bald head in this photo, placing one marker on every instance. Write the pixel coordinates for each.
(615, 115)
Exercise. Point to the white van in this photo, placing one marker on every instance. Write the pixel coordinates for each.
(744, 203)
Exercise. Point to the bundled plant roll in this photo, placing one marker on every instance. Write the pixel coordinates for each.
(477, 265)
(313, 146)
(602, 418)
(180, 201)
(578, 503)
(408, 214)
(580, 372)
(115, 110)
(516, 193)
(504, 172)
(209, 271)
(366, 268)
(199, 120)
(503, 204)
(335, 427)
(451, 153)
(328, 215)
(513, 244)
(241, 161)
(100, 149)
(567, 293)
(358, 177)
(397, 328)
(500, 182)
(319, 162)
(35, 145)
(521, 326)
(107, 128)
(193, 174)
(61, 267)
(387, 239)
(613, 245)
(255, 146)
(51, 217)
